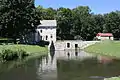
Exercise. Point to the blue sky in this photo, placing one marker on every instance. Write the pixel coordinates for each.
(97, 6)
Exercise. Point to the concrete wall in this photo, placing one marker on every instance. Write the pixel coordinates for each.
(62, 45)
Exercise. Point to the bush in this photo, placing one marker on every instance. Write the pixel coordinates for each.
(21, 54)
(8, 54)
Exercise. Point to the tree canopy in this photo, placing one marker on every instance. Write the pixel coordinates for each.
(17, 18)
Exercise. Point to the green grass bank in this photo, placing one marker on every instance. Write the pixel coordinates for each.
(113, 78)
(32, 50)
(107, 48)
(27, 48)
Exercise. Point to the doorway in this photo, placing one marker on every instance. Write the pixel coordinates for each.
(76, 46)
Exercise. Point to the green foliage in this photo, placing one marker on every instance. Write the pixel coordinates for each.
(112, 23)
(8, 54)
(17, 18)
(31, 49)
(64, 21)
(47, 14)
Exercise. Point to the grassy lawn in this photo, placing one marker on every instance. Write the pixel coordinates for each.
(113, 78)
(28, 48)
(108, 48)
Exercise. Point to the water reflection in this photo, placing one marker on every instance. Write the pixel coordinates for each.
(63, 65)
(104, 60)
(88, 69)
(76, 53)
(52, 53)
(68, 55)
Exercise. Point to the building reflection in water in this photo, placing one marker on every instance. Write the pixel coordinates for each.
(76, 53)
(52, 53)
(104, 59)
(47, 65)
(47, 68)
(68, 54)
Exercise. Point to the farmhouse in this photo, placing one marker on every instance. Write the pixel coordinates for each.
(104, 36)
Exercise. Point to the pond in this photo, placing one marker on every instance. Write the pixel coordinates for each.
(62, 65)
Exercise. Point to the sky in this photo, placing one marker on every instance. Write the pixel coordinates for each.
(97, 6)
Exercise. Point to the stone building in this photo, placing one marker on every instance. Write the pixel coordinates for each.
(47, 30)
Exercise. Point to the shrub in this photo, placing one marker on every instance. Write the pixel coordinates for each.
(21, 53)
(8, 54)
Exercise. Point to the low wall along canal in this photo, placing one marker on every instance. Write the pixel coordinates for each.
(72, 44)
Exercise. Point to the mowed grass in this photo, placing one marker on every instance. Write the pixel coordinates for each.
(28, 48)
(108, 48)
(113, 78)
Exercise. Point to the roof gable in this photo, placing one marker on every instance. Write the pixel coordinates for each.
(104, 34)
(47, 23)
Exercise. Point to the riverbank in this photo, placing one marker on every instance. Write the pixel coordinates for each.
(113, 78)
(31, 50)
(27, 48)
(107, 48)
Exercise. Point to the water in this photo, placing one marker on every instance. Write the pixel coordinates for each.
(62, 65)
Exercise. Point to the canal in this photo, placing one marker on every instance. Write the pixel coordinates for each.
(62, 65)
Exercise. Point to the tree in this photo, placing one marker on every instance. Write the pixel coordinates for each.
(112, 23)
(99, 23)
(82, 22)
(65, 21)
(47, 14)
(18, 17)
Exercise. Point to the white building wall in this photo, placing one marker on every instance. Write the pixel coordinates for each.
(104, 38)
(50, 33)
(62, 45)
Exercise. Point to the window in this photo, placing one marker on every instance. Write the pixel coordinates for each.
(68, 45)
(76, 45)
(46, 37)
(51, 36)
(41, 31)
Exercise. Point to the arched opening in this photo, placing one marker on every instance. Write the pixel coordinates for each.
(68, 45)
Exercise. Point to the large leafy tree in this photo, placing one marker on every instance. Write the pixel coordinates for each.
(65, 22)
(18, 17)
(112, 23)
(82, 22)
(47, 14)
